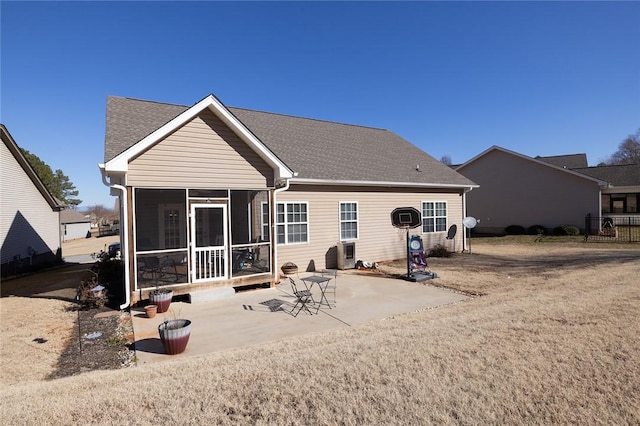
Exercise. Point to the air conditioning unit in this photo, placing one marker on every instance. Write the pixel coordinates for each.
(346, 255)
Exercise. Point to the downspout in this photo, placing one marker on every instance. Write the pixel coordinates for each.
(464, 214)
(124, 248)
(273, 228)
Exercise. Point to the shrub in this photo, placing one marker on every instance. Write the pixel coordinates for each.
(439, 251)
(536, 230)
(514, 230)
(110, 274)
(566, 230)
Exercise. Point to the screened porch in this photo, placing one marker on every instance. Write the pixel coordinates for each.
(191, 236)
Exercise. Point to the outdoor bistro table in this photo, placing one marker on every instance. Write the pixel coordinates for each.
(323, 283)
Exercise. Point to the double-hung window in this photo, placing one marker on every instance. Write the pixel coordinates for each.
(348, 221)
(292, 223)
(434, 216)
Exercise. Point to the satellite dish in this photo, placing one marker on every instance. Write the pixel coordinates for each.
(469, 222)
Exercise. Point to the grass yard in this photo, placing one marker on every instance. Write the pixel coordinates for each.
(555, 339)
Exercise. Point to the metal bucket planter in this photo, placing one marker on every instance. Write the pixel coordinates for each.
(174, 335)
(161, 298)
(289, 268)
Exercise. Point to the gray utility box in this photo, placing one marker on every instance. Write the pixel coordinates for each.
(346, 255)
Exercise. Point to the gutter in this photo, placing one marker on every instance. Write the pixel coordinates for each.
(295, 180)
(124, 249)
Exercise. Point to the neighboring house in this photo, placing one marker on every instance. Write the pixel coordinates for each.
(73, 225)
(519, 190)
(621, 196)
(29, 226)
(213, 196)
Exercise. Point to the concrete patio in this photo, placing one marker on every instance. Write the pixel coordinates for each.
(254, 317)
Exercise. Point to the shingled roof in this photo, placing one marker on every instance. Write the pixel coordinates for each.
(315, 149)
(571, 161)
(617, 175)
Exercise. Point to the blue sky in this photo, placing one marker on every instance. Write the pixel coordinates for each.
(454, 78)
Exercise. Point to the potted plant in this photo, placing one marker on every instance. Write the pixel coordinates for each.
(162, 298)
(174, 335)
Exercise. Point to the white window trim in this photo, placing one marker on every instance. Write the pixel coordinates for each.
(340, 221)
(263, 225)
(446, 217)
(285, 223)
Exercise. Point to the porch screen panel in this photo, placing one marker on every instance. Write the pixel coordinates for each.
(160, 219)
(161, 237)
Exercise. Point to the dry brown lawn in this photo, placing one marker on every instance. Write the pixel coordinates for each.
(555, 339)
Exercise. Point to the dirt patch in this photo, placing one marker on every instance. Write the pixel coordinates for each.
(102, 340)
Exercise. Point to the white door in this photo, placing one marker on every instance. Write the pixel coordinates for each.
(209, 242)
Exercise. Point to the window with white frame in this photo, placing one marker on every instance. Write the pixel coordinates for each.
(348, 221)
(434, 216)
(292, 223)
(265, 221)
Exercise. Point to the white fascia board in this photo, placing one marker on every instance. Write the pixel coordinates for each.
(120, 163)
(620, 189)
(376, 183)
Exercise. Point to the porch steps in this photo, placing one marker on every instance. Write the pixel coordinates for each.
(211, 294)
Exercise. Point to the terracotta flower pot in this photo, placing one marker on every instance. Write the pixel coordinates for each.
(174, 335)
(151, 310)
(161, 298)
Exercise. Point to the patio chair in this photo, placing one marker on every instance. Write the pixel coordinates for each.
(303, 298)
(332, 287)
(158, 268)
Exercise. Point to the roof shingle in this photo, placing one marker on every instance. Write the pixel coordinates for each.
(616, 175)
(315, 149)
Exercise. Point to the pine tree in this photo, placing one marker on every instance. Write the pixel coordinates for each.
(58, 184)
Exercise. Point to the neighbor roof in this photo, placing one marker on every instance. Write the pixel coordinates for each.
(617, 175)
(72, 216)
(570, 161)
(314, 149)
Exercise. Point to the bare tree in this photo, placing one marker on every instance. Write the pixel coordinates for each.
(101, 214)
(446, 159)
(628, 151)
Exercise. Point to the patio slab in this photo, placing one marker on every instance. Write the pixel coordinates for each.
(258, 316)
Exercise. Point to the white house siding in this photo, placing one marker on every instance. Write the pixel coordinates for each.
(204, 153)
(73, 231)
(517, 191)
(26, 219)
(377, 239)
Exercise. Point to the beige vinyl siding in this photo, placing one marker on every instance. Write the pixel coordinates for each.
(377, 239)
(204, 153)
(517, 191)
(26, 218)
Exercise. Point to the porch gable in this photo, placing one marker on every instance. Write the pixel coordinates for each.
(203, 153)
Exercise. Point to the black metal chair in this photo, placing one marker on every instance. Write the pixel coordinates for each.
(303, 298)
(158, 268)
